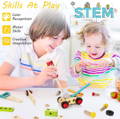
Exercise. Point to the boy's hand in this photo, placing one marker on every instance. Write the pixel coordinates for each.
(48, 73)
(117, 84)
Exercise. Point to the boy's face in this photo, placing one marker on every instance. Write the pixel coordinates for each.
(55, 41)
(48, 44)
(94, 45)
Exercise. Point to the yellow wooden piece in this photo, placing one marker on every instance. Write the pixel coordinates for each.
(93, 114)
(72, 91)
(104, 107)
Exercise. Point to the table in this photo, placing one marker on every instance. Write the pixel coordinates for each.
(43, 96)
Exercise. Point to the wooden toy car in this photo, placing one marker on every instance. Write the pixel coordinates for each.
(72, 99)
(65, 102)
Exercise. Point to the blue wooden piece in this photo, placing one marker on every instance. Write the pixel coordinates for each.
(73, 95)
(5, 95)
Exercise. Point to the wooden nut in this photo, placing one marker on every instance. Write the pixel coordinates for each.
(17, 117)
(35, 117)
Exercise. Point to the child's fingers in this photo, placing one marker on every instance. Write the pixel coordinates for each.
(50, 69)
(88, 63)
(52, 74)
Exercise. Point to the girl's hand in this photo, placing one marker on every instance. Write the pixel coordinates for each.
(78, 66)
(48, 73)
(105, 63)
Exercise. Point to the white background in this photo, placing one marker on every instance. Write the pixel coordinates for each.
(48, 96)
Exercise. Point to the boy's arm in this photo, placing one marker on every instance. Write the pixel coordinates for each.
(11, 60)
(7, 82)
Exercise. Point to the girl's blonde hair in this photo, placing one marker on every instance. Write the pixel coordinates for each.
(92, 28)
(49, 23)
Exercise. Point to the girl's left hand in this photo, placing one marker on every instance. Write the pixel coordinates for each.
(105, 63)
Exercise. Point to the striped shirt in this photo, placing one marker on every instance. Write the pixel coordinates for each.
(99, 76)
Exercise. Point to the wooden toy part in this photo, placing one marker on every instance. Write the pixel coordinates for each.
(5, 95)
(118, 98)
(51, 112)
(80, 90)
(109, 112)
(58, 93)
(12, 98)
(36, 117)
(29, 94)
(60, 117)
(105, 106)
(6, 109)
(91, 114)
(95, 94)
(72, 91)
(17, 117)
(47, 105)
(8, 96)
(114, 95)
(50, 63)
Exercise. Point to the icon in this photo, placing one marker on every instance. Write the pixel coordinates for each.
(6, 16)
(6, 29)
(6, 40)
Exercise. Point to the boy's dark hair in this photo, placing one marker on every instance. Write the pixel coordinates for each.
(48, 23)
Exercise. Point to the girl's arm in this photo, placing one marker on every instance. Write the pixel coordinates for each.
(76, 64)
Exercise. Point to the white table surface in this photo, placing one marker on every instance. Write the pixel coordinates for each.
(48, 96)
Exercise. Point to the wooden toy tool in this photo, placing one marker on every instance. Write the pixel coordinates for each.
(95, 94)
(8, 96)
(105, 106)
(91, 114)
(73, 95)
(29, 94)
(50, 63)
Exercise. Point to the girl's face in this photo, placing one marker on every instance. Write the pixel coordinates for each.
(94, 45)
(48, 44)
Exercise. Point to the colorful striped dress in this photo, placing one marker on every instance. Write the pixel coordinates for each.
(99, 76)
